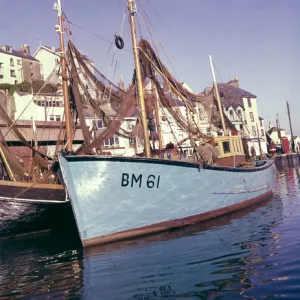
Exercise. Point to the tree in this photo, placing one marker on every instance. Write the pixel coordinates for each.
(27, 87)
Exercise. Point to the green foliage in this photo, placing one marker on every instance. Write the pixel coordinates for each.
(26, 87)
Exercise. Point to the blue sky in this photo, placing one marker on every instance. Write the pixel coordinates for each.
(258, 41)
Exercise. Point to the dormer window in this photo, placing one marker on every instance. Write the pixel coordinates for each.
(240, 115)
(231, 114)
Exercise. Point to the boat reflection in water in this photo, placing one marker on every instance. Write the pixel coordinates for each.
(40, 266)
(216, 258)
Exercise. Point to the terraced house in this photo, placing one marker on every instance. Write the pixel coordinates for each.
(17, 66)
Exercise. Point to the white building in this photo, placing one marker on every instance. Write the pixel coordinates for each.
(240, 106)
(42, 107)
(276, 134)
(18, 66)
(116, 145)
(49, 59)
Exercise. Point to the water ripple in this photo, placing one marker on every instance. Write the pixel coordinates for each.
(251, 254)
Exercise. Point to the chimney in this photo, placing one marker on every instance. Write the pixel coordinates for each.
(234, 82)
(25, 49)
(6, 48)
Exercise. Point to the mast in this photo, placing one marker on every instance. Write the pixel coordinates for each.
(132, 11)
(218, 96)
(277, 121)
(158, 125)
(292, 136)
(259, 144)
(63, 62)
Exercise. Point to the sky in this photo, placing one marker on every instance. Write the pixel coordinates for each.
(258, 41)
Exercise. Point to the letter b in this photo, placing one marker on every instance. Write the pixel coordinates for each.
(125, 179)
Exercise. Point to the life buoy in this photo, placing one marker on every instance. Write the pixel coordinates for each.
(119, 42)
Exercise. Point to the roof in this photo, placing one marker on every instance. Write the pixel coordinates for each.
(53, 50)
(232, 95)
(56, 51)
(274, 129)
(18, 54)
(260, 118)
(175, 101)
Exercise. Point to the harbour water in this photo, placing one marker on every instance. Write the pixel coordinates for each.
(251, 254)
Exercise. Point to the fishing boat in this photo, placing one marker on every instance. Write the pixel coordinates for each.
(116, 197)
(27, 203)
(31, 197)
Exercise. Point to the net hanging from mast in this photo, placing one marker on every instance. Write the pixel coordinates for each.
(92, 89)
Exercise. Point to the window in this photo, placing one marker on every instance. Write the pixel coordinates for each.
(12, 62)
(131, 141)
(100, 124)
(12, 73)
(112, 142)
(1, 76)
(253, 131)
(249, 102)
(57, 60)
(201, 113)
(1, 67)
(55, 118)
(262, 132)
(19, 62)
(240, 115)
(251, 117)
(16, 81)
(237, 146)
(261, 123)
(231, 115)
(226, 147)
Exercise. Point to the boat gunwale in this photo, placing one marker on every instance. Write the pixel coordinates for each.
(31, 185)
(178, 163)
(32, 201)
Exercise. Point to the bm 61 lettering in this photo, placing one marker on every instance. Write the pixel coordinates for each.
(131, 180)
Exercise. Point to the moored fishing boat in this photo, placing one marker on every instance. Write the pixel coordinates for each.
(31, 198)
(115, 198)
